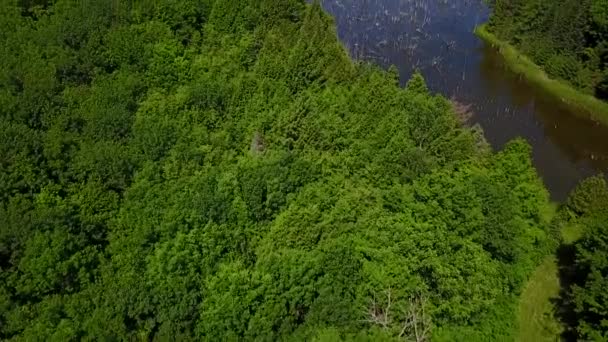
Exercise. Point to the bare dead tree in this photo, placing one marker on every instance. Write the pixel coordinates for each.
(258, 145)
(380, 315)
(463, 111)
(417, 324)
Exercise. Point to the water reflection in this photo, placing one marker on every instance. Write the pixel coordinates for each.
(435, 37)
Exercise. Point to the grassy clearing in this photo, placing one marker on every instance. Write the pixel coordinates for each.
(580, 103)
(548, 212)
(571, 233)
(537, 321)
(536, 317)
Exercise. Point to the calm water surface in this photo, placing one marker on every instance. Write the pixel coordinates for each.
(436, 37)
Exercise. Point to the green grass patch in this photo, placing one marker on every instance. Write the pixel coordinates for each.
(571, 233)
(548, 211)
(537, 321)
(536, 313)
(579, 103)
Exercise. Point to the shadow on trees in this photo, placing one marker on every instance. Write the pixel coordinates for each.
(564, 304)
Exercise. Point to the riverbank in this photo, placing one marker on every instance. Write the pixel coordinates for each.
(580, 103)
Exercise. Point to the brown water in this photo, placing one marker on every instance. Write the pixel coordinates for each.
(436, 37)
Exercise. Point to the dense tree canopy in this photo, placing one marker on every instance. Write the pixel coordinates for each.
(221, 170)
(587, 207)
(568, 38)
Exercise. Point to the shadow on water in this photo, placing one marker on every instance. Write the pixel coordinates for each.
(436, 37)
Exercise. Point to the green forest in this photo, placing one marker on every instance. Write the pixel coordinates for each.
(222, 170)
(585, 295)
(567, 38)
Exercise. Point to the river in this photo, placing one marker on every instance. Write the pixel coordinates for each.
(436, 37)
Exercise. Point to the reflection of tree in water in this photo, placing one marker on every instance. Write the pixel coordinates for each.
(583, 140)
(579, 139)
(566, 147)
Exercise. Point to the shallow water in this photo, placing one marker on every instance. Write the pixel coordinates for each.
(436, 37)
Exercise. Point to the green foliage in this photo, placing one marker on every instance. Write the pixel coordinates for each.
(590, 295)
(586, 211)
(589, 197)
(221, 170)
